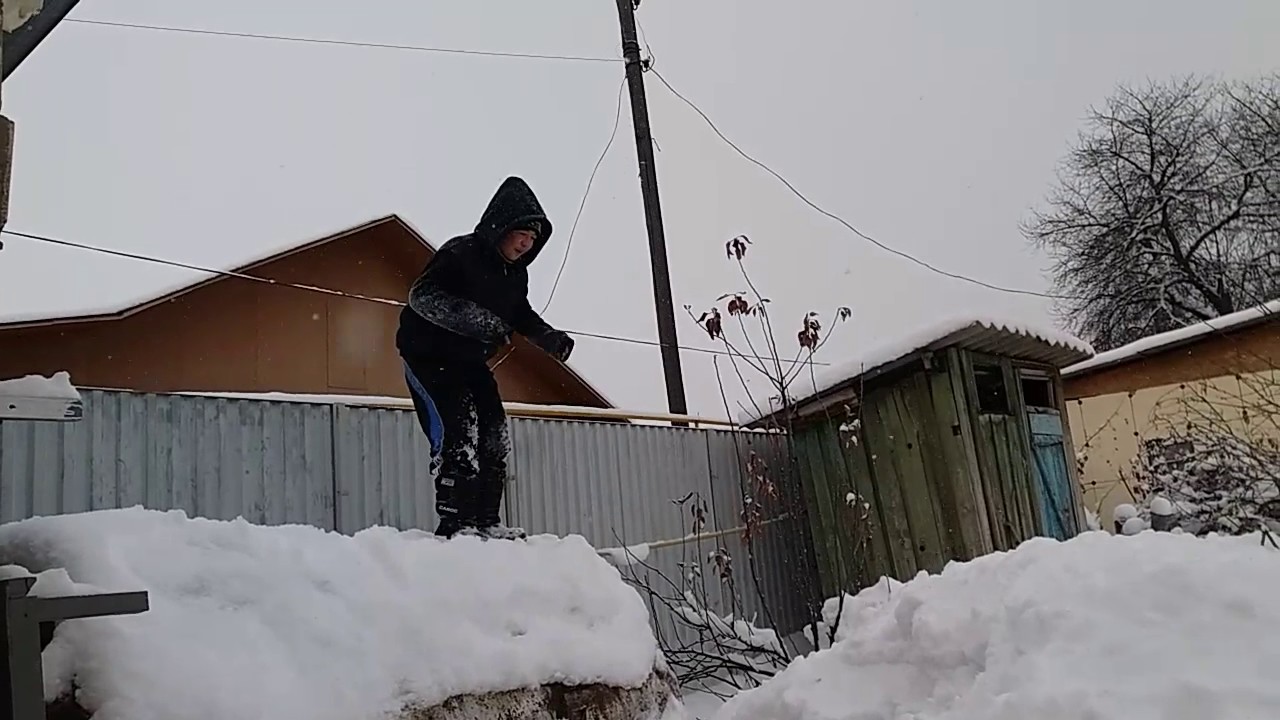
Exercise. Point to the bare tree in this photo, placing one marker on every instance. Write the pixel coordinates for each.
(773, 493)
(1167, 212)
(710, 640)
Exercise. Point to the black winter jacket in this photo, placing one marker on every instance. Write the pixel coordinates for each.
(468, 299)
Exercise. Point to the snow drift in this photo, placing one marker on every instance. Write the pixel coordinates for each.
(295, 622)
(1101, 627)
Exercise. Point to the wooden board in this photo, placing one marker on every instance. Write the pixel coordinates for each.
(988, 469)
(888, 491)
(880, 561)
(813, 480)
(850, 528)
(907, 467)
(919, 412)
(1027, 490)
(945, 449)
(968, 444)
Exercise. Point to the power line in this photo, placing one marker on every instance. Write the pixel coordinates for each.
(1263, 306)
(329, 291)
(841, 220)
(617, 120)
(345, 43)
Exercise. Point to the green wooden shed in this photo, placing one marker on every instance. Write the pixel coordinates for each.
(947, 445)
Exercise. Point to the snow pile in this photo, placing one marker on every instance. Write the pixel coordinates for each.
(35, 397)
(625, 556)
(295, 622)
(1101, 627)
(57, 387)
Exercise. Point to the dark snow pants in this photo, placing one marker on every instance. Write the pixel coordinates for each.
(459, 409)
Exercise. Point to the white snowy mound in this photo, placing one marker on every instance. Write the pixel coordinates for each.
(1099, 628)
(293, 622)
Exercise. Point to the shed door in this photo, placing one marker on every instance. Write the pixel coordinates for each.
(1049, 459)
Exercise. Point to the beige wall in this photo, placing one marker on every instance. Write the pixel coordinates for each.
(1108, 429)
(1210, 382)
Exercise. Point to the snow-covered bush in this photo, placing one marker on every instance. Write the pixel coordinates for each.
(709, 642)
(742, 323)
(1215, 481)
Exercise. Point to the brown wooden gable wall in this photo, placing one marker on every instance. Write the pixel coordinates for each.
(1250, 350)
(236, 335)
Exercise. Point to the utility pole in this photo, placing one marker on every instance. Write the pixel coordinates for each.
(652, 211)
(6, 141)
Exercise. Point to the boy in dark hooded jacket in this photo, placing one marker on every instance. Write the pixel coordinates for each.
(462, 309)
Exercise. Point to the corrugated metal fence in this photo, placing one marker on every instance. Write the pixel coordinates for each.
(346, 468)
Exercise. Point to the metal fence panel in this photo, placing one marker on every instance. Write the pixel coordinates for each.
(383, 470)
(210, 457)
(347, 468)
(566, 478)
(658, 466)
(767, 578)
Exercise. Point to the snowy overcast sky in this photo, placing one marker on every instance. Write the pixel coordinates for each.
(932, 126)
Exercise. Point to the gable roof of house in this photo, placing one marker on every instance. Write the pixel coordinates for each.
(994, 337)
(179, 279)
(1173, 339)
(21, 40)
(191, 278)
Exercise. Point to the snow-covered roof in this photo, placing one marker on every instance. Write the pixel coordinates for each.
(26, 23)
(1165, 341)
(996, 337)
(148, 282)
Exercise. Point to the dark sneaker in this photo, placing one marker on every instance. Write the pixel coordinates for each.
(448, 528)
(495, 532)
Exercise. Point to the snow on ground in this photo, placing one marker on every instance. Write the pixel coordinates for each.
(703, 705)
(1101, 627)
(295, 622)
(57, 387)
(625, 556)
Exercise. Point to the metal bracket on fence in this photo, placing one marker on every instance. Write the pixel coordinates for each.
(26, 626)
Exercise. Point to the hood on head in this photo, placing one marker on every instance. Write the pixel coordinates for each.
(514, 204)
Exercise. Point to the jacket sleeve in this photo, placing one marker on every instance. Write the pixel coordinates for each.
(434, 298)
(529, 323)
(526, 320)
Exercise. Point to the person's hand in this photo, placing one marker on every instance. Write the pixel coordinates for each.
(558, 344)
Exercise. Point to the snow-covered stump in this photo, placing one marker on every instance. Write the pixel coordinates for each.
(1164, 517)
(554, 700)
(1121, 516)
(296, 622)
